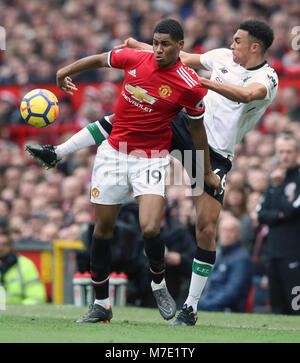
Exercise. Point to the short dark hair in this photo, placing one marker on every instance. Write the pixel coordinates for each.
(172, 27)
(261, 32)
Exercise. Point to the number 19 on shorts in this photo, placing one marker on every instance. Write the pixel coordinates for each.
(153, 176)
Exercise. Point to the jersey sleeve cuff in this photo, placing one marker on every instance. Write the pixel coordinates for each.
(109, 59)
(196, 117)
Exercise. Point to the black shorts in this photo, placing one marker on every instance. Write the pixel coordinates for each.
(182, 140)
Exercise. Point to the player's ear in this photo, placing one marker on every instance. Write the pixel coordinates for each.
(181, 44)
(256, 47)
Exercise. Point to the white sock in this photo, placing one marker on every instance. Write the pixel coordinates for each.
(103, 302)
(80, 140)
(161, 285)
(200, 273)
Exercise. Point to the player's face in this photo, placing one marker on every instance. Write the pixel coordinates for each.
(241, 47)
(166, 50)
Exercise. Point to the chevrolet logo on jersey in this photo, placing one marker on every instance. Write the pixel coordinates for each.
(140, 94)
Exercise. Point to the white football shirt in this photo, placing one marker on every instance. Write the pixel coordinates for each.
(226, 121)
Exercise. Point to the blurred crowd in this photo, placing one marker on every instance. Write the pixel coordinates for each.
(42, 36)
(44, 205)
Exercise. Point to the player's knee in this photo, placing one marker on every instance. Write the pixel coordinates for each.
(206, 232)
(103, 231)
(150, 230)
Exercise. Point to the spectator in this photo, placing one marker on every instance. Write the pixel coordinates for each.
(257, 180)
(3, 224)
(259, 299)
(66, 111)
(53, 195)
(108, 95)
(186, 215)
(71, 189)
(91, 108)
(21, 207)
(39, 203)
(5, 208)
(82, 217)
(236, 179)
(49, 232)
(290, 100)
(57, 216)
(19, 276)
(280, 211)
(9, 108)
(252, 141)
(230, 281)
(235, 201)
(13, 177)
(35, 225)
(249, 221)
(70, 233)
(17, 228)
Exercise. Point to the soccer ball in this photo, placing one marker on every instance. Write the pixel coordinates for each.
(39, 108)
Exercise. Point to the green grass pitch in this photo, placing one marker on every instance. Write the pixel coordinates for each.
(56, 323)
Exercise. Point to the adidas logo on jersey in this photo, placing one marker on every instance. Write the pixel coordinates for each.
(132, 72)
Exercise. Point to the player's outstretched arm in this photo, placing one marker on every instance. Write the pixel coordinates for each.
(92, 134)
(191, 60)
(134, 44)
(254, 91)
(63, 79)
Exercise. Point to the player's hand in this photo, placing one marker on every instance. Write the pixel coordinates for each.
(213, 181)
(129, 43)
(66, 84)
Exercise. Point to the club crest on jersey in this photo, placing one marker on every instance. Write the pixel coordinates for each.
(95, 193)
(165, 91)
(140, 94)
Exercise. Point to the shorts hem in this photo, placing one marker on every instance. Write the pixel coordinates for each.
(106, 202)
(149, 193)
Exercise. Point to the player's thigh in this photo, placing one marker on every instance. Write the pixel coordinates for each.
(109, 182)
(148, 176)
(105, 218)
(220, 166)
(148, 180)
(151, 211)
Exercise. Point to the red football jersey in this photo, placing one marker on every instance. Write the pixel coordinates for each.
(150, 98)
